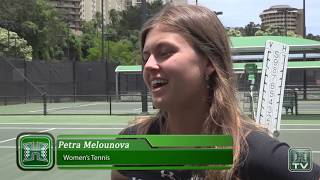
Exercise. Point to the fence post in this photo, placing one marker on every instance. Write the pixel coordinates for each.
(296, 101)
(44, 98)
(74, 79)
(110, 106)
(25, 81)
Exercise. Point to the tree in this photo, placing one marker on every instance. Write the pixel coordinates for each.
(293, 34)
(233, 32)
(13, 45)
(122, 35)
(126, 21)
(124, 52)
(38, 23)
(260, 33)
(313, 37)
(269, 31)
(74, 47)
(251, 28)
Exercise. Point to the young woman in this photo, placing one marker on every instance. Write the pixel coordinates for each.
(188, 70)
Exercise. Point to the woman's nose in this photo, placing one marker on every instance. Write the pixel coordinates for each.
(151, 63)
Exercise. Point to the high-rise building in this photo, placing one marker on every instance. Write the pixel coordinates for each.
(76, 11)
(139, 2)
(176, 2)
(91, 7)
(283, 17)
(71, 10)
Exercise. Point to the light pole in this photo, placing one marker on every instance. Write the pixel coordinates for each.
(144, 94)
(102, 48)
(304, 19)
(102, 31)
(304, 54)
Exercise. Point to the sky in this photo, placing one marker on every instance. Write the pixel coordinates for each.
(238, 13)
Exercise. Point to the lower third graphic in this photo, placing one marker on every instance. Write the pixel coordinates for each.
(300, 159)
(35, 151)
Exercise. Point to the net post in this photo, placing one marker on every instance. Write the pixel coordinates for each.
(5, 100)
(44, 98)
(110, 106)
(296, 101)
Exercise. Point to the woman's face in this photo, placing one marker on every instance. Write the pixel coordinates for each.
(173, 71)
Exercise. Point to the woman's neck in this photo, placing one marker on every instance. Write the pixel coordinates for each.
(187, 120)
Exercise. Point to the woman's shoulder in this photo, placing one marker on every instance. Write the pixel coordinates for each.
(267, 158)
(132, 129)
(147, 126)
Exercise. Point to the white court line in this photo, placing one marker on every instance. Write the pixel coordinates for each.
(299, 129)
(89, 124)
(300, 124)
(39, 131)
(7, 140)
(66, 107)
(68, 128)
(23, 128)
(47, 130)
(137, 109)
(120, 124)
(7, 147)
(57, 129)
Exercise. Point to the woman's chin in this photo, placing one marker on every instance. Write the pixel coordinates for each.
(159, 103)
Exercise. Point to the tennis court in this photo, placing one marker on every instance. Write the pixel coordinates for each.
(298, 131)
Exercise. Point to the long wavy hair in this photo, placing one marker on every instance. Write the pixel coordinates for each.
(206, 34)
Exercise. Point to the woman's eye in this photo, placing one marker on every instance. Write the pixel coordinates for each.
(165, 54)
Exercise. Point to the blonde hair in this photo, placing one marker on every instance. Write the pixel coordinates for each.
(206, 34)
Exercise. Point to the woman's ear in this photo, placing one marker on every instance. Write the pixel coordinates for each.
(209, 68)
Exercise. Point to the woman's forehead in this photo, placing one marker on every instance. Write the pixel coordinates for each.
(163, 34)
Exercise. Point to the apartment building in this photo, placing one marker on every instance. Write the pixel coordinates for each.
(283, 17)
(91, 7)
(76, 11)
(139, 2)
(71, 10)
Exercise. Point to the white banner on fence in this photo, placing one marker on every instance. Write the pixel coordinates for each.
(272, 85)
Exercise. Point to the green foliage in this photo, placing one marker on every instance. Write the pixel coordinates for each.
(122, 35)
(15, 46)
(269, 31)
(38, 23)
(74, 47)
(123, 52)
(43, 28)
(94, 54)
(260, 33)
(313, 37)
(250, 29)
(293, 34)
(234, 32)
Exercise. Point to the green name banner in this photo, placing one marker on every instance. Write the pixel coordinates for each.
(144, 152)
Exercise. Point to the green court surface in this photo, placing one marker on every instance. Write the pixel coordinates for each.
(298, 131)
